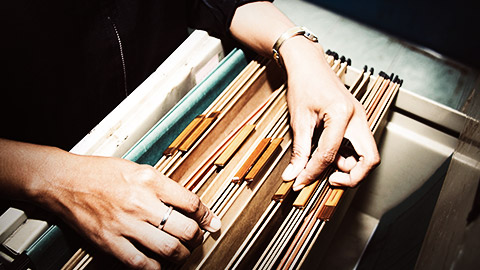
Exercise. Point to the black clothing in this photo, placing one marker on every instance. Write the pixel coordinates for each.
(67, 64)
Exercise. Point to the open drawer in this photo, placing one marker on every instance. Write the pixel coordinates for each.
(142, 128)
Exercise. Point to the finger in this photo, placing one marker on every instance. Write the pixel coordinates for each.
(326, 152)
(175, 195)
(364, 144)
(130, 255)
(204, 216)
(361, 169)
(184, 228)
(176, 224)
(341, 179)
(351, 179)
(345, 164)
(158, 241)
(302, 145)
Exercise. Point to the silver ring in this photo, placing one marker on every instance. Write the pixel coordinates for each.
(165, 218)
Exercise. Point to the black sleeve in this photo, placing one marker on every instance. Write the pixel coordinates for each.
(214, 16)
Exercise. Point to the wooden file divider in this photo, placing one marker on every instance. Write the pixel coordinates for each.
(372, 107)
(357, 81)
(330, 205)
(362, 87)
(197, 132)
(343, 66)
(336, 65)
(372, 103)
(234, 145)
(305, 194)
(242, 172)
(375, 92)
(374, 121)
(283, 191)
(378, 81)
(173, 147)
(264, 159)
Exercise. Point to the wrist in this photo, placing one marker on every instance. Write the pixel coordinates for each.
(288, 34)
(51, 178)
(23, 167)
(298, 52)
(297, 34)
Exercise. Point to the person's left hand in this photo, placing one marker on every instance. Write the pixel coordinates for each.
(318, 99)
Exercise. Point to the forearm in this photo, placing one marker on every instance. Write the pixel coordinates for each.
(259, 24)
(26, 170)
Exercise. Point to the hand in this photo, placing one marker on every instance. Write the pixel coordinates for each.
(116, 203)
(318, 99)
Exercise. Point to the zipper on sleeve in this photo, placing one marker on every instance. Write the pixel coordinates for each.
(124, 68)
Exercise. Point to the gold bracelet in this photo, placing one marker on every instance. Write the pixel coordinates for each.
(292, 32)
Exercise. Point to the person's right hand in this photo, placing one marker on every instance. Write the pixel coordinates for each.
(116, 203)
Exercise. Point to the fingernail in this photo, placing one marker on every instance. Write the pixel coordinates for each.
(333, 183)
(137, 259)
(215, 224)
(297, 186)
(287, 174)
(335, 179)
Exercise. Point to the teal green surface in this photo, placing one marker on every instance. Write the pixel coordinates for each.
(53, 249)
(149, 149)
